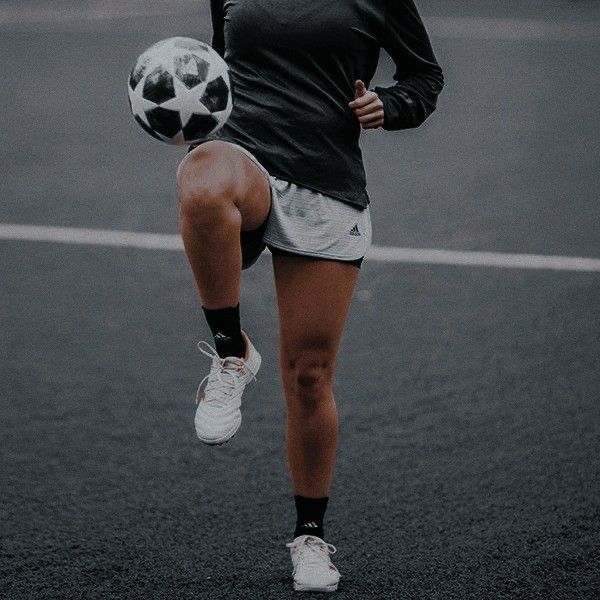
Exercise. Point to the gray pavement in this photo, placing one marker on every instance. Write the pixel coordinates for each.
(469, 397)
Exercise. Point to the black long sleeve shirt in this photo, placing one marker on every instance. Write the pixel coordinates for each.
(293, 64)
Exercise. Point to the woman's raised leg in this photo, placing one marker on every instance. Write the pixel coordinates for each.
(221, 192)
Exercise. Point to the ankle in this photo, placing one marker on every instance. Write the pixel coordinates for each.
(225, 326)
(310, 514)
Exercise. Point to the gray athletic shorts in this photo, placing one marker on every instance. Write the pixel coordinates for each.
(304, 222)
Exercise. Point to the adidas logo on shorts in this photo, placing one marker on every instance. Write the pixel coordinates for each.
(354, 230)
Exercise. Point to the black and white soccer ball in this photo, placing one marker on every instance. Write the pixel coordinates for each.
(179, 91)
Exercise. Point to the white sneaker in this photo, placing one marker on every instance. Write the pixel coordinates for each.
(218, 415)
(313, 569)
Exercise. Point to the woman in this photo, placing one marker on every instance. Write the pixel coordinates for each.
(286, 172)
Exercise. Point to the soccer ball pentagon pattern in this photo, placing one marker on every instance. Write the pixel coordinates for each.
(179, 91)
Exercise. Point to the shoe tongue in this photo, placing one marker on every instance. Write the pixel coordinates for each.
(314, 541)
(232, 361)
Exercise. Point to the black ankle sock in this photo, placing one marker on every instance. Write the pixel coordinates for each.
(225, 326)
(311, 512)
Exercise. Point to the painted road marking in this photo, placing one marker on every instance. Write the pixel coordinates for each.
(386, 254)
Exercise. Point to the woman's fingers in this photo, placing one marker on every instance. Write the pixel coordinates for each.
(375, 116)
(367, 107)
(372, 121)
(363, 100)
(360, 89)
(371, 116)
(374, 106)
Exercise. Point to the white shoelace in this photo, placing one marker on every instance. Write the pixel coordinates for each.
(312, 553)
(225, 378)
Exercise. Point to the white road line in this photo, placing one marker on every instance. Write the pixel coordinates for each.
(159, 241)
(467, 258)
(94, 237)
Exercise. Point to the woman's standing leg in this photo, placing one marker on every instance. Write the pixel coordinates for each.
(313, 298)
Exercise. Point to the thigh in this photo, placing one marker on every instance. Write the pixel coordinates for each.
(218, 165)
(313, 298)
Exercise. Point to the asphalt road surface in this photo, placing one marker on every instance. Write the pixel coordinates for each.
(469, 458)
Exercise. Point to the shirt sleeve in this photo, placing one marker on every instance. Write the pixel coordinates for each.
(418, 76)
(218, 24)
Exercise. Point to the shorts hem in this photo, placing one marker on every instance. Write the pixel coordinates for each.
(312, 254)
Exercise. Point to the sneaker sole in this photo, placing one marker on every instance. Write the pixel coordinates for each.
(222, 440)
(221, 443)
(299, 587)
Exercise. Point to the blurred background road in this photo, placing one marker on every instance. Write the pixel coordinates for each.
(469, 396)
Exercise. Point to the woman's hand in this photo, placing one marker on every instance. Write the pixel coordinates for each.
(367, 106)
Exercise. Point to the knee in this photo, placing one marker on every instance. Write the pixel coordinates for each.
(202, 189)
(308, 381)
